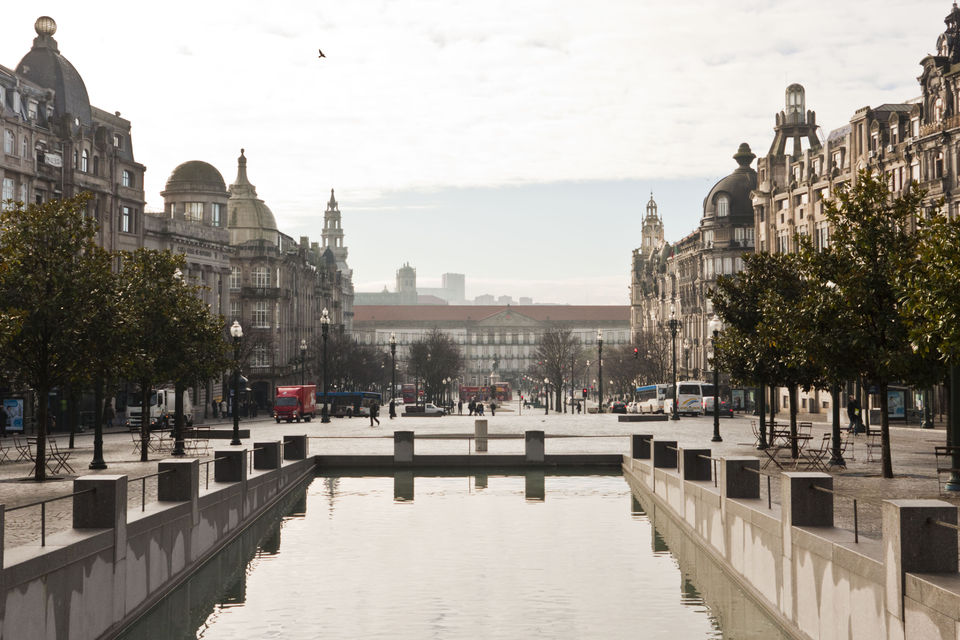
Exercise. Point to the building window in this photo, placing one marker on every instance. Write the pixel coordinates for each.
(260, 356)
(723, 206)
(260, 316)
(193, 211)
(126, 219)
(84, 161)
(118, 141)
(217, 214)
(8, 142)
(32, 110)
(7, 194)
(235, 310)
(127, 178)
(25, 147)
(23, 193)
(234, 278)
(261, 277)
(822, 238)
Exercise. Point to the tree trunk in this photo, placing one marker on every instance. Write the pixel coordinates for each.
(794, 448)
(761, 413)
(71, 413)
(835, 456)
(144, 419)
(40, 470)
(885, 431)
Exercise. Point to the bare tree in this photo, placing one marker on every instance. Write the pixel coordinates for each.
(433, 358)
(558, 355)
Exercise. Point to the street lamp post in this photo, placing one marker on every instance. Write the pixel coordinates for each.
(393, 369)
(325, 332)
(303, 358)
(715, 332)
(927, 415)
(599, 371)
(237, 332)
(674, 325)
(546, 399)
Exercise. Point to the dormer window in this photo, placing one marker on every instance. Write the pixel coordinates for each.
(118, 141)
(127, 178)
(723, 206)
(938, 109)
(32, 110)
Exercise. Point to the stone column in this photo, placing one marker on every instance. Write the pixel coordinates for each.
(403, 447)
(534, 450)
(480, 433)
(296, 447)
(640, 446)
(664, 454)
(913, 543)
(693, 467)
(232, 467)
(179, 481)
(267, 455)
(103, 508)
(736, 481)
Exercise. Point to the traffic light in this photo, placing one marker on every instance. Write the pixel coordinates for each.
(584, 392)
(636, 353)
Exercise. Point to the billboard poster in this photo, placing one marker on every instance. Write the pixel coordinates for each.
(13, 408)
(896, 407)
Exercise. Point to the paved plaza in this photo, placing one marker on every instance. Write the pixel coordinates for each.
(913, 457)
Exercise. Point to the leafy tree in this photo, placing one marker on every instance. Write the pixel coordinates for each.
(872, 248)
(55, 283)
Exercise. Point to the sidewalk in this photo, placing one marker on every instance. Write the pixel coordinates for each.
(913, 459)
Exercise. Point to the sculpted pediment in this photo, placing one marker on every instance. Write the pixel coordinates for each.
(508, 318)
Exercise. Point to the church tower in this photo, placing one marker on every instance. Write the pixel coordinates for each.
(652, 235)
(332, 231)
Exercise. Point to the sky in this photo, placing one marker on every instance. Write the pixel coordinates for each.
(516, 142)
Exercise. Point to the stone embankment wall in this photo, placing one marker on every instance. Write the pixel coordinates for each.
(813, 579)
(91, 581)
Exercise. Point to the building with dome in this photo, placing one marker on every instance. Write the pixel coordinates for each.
(673, 281)
(56, 144)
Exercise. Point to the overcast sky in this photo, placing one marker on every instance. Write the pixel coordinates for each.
(514, 141)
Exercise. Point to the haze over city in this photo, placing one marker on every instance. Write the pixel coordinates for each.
(515, 143)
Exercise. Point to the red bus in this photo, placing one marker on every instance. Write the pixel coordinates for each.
(502, 389)
(409, 393)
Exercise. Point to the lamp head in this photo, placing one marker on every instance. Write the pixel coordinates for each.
(393, 339)
(236, 330)
(324, 316)
(303, 345)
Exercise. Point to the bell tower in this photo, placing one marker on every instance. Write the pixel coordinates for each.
(652, 235)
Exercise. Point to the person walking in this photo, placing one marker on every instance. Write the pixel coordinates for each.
(853, 412)
(493, 408)
(374, 412)
(460, 406)
(393, 409)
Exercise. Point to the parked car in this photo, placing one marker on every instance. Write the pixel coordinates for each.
(725, 409)
(618, 406)
(633, 407)
(430, 408)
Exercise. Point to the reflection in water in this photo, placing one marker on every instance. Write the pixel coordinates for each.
(480, 482)
(703, 582)
(438, 566)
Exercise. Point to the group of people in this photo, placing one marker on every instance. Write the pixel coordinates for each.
(856, 419)
(475, 408)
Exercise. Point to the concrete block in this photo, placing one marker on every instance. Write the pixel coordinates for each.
(403, 446)
(640, 446)
(230, 465)
(179, 481)
(693, 466)
(534, 446)
(664, 454)
(296, 447)
(913, 543)
(801, 504)
(267, 455)
(480, 432)
(103, 508)
(737, 480)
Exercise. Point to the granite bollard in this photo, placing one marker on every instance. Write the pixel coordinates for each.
(802, 504)
(740, 477)
(230, 465)
(403, 446)
(267, 455)
(664, 454)
(694, 466)
(296, 447)
(640, 446)
(534, 450)
(480, 434)
(105, 507)
(179, 481)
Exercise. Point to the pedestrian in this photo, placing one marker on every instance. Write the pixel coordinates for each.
(216, 406)
(479, 408)
(393, 409)
(853, 412)
(471, 406)
(579, 407)
(374, 413)
(493, 408)
(460, 406)
(223, 408)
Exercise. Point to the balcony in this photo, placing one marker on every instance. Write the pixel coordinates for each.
(260, 292)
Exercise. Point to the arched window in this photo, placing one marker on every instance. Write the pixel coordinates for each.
(723, 206)
(127, 178)
(9, 146)
(84, 161)
(938, 109)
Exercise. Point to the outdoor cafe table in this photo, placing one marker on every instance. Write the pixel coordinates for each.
(783, 442)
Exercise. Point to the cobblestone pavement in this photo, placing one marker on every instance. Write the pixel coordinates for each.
(914, 462)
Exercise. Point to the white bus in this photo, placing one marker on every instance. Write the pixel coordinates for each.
(650, 398)
(690, 398)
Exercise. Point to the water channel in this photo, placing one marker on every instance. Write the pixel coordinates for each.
(534, 556)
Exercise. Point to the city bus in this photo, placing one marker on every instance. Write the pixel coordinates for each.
(690, 398)
(348, 403)
(650, 398)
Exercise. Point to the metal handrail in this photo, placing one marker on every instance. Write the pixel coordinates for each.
(43, 510)
(761, 473)
(943, 523)
(856, 521)
(143, 488)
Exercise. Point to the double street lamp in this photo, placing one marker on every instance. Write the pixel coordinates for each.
(393, 370)
(325, 332)
(546, 398)
(714, 329)
(237, 332)
(674, 325)
(303, 358)
(599, 371)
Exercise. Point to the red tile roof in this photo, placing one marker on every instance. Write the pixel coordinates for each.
(379, 314)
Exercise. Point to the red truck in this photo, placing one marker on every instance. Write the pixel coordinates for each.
(295, 403)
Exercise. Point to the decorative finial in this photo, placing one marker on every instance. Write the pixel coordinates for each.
(45, 26)
(744, 156)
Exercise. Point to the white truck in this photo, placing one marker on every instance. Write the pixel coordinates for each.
(162, 404)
